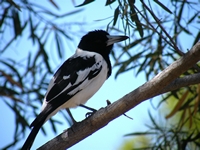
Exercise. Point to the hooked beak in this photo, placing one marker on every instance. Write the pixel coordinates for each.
(114, 39)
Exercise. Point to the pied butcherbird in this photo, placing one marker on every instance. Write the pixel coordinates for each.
(77, 79)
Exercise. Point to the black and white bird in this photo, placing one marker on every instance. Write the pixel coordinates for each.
(78, 78)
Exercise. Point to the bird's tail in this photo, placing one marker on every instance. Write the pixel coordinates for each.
(36, 125)
(29, 141)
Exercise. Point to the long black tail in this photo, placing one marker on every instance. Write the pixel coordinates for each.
(43, 116)
(29, 141)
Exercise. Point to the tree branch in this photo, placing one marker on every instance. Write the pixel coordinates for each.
(182, 82)
(163, 82)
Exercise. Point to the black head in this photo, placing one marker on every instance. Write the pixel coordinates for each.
(99, 41)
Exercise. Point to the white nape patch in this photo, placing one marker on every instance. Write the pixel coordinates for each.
(85, 53)
(66, 77)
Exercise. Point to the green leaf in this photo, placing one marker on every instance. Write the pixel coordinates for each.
(7, 91)
(125, 64)
(116, 14)
(153, 121)
(85, 3)
(16, 23)
(54, 4)
(59, 44)
(70, 13)
(163, 6)
(135, 18)
(143, 65)
(185, 30)
(4, 15)
(179, 17)
(131, 2)
(45, 56)
(32, 30)
(63, 33)
(197, 38)
(136, 42)
(108, 2)
(14, 4)
(140, 133)
(193, 17)
(14, 69)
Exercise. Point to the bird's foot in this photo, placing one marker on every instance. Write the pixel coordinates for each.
(88, 114)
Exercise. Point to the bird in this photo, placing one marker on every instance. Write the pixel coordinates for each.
(77, 79)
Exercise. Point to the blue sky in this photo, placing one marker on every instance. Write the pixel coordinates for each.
(111, 136)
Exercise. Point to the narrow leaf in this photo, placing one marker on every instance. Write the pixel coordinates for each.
(140, 133)
(54, 4)
(108, 2)
(85, 3)
(163, 6)
(4, 15)
(193, 17)
(16, 23)
(71, 13)
(12, 67)
(14, 4)
(135, 18)
(178, 105)
(197, 38)
(58, 44)
(179, 17)
(125, 64)
(135, 43)
(153, 121)
(116, 14)
(10, 79)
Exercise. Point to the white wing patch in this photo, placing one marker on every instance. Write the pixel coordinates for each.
(82, 74)
(66, 77)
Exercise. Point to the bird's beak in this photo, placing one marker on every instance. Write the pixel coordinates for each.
(114, 39)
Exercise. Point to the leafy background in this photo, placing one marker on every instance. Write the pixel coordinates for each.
(37, 37)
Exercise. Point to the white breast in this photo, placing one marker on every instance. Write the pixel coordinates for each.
(93, 86)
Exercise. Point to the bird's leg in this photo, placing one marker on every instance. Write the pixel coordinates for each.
(70, 115)
(89, 108)
(75, 123)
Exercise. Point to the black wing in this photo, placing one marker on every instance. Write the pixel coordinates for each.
(72, 73)
(65, 83)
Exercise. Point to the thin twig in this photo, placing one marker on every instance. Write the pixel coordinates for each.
(163, 29)
(154, 29)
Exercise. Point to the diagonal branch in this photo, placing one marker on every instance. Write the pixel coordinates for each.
(182, 82)
(163, 82)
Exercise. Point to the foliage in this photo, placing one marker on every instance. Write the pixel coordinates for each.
(157, 35)
(157, 30)
(159, 42)
(168, 135)
(24, 81)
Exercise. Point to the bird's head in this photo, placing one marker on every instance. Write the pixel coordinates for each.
(99, 41)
